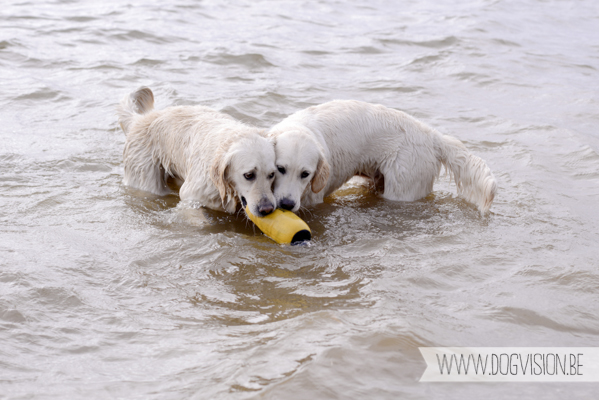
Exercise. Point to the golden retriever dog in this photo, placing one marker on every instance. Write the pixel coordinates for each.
(320, 148)
(219, 160)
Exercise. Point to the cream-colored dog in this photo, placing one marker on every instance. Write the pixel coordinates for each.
(320, 148)
(218, 159)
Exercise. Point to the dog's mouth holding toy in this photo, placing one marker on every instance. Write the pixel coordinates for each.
(282, 226)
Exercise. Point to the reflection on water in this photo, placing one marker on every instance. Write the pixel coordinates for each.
(109, 292)
(268, 294)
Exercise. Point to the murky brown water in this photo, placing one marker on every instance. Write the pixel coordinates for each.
(106, 292)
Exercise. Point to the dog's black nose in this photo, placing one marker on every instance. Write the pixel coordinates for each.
(265, 207)
(287, 204)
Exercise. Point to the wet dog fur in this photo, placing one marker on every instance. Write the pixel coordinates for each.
(320, 148)
(219, 161)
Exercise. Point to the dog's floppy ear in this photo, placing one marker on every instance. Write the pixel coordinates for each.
(218, 174)
(321, 176)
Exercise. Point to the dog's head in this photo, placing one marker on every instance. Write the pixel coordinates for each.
(301, 166)
(245, 170)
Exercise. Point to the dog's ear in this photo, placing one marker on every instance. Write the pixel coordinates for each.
(218, 174)
(321, 176)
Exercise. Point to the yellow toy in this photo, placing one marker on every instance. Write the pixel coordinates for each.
(282, 226)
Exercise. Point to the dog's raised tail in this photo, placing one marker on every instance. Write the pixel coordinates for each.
(139, 102)
(474, 180)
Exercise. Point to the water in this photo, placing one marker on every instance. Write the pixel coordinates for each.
(106, 292)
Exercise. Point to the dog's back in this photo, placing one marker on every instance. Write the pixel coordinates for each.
(186, 143)
(379, 142)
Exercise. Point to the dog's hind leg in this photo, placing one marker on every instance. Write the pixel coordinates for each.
(407, 178)
(142, 171)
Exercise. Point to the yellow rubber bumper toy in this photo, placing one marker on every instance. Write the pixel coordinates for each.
(282, 226)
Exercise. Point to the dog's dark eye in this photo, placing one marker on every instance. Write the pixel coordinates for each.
(272, 175)
(281, 170)
(249, 176)
(305, 174)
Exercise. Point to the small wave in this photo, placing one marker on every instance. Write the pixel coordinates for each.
(317, 52)
(392, 88)
(479, 79)
(77, 164)
(429, 59)
(505, 42)
(12, 316)
(43, 94)
(81, 18)
(583, 163)
(522, 316)
(11, 159)
(239, 114)
(135, 35)
(585, 66)
(100, 67)
(364, 50)
(147, 62)
(435, 43)
(251, 60)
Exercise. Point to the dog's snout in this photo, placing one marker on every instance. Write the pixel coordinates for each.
(287, 204)
(265, 207)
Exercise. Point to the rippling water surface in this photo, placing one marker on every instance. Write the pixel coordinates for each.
(106, 292)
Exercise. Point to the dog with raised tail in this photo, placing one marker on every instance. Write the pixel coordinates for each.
(219, 160)
(320, 148)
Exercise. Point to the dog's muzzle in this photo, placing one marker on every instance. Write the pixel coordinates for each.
(265, 207)
(286, 204)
